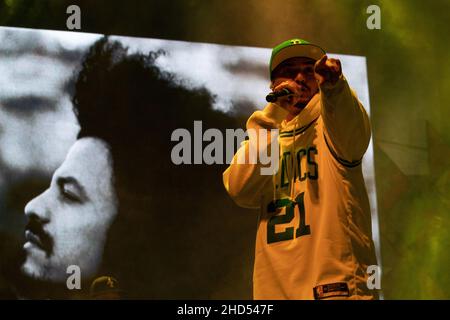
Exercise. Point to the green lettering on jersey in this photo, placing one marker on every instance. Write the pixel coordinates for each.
(300, 154)
(303, 229)
(288, 216)
(288, 233)
(284, 169)
(315, 175)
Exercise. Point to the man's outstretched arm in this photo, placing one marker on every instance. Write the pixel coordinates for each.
(347, 125)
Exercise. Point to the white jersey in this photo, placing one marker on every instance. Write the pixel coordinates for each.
(314, 233)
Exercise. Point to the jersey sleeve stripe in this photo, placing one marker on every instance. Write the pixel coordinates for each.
(348, 164)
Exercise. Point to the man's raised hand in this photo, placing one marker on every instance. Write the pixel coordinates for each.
(327, 70)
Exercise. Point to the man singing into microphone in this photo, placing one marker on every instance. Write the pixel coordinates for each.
(314, 236)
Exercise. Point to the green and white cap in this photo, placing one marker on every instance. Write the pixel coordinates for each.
(294, 48)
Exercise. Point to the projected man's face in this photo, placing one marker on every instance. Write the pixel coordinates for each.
(300, 72)
(67, 224)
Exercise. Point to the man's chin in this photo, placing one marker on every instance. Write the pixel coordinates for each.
(303, 102)
(38, 271)
(31, 270)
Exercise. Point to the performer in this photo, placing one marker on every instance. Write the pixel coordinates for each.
(314, 236)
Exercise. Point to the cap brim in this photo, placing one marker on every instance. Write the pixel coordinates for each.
(300, 50)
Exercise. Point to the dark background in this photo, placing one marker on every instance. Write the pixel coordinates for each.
(408, 81)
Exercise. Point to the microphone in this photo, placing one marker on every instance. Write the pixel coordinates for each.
(273, 96)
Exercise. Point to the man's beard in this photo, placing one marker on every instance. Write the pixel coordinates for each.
(302, 104)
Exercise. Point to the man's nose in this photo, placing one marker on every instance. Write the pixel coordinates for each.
(300, 78)
(38, 208)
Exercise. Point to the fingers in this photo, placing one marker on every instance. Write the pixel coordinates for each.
(322, 61)
(339, 64)
(334, 64)
(326, 63)
(321, 66)
(327, 70)
(288, 100)
(286, 84)
(319, 78)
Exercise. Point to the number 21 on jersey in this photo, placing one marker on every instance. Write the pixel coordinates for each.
(289, 206)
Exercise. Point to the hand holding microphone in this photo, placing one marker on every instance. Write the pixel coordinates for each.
(274, 95)
(284, 94)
